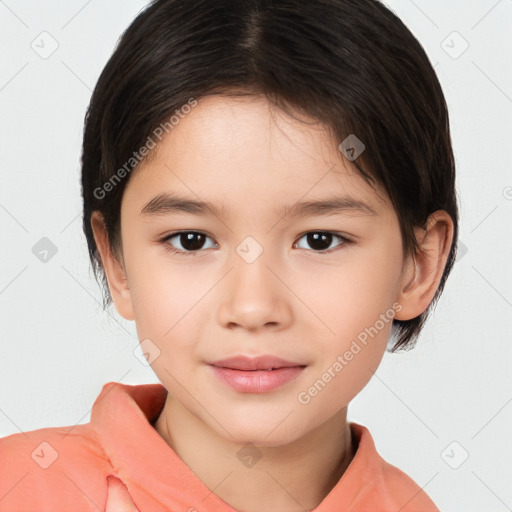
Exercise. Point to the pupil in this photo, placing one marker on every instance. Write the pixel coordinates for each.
(318, 240)
(188, 242)
(194, 241)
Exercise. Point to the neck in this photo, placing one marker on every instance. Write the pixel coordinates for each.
(290, 478)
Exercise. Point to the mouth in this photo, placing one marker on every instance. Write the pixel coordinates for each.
(260, 363)
(256, 375)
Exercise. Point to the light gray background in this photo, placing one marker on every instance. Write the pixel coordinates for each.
(58, 348)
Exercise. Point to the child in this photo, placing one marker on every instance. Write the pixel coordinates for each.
(225, 144)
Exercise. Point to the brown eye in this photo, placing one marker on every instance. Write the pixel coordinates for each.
(322, 240)
(186, 242)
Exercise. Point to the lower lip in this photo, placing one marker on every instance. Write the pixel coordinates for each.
(257, 381)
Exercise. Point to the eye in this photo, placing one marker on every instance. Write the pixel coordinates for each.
(190, 242)
(322, 241)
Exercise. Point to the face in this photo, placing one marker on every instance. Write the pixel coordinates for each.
(254, 274)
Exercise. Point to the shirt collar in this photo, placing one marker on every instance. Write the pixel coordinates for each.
(158, 479)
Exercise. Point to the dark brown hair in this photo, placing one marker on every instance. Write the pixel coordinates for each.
(350, 64)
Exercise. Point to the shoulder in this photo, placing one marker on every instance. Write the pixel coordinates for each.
(63, 468)
(387, 486)
(405, 492)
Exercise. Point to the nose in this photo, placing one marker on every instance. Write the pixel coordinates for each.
(254, 297)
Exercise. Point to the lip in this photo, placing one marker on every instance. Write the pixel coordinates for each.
(256, 375)
(265, 362)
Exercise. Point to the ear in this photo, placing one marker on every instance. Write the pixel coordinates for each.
(114, 270)
(423, 271)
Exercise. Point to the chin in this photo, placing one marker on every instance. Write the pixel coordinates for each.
(260, 432)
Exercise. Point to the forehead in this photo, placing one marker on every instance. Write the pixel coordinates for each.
(243, 151)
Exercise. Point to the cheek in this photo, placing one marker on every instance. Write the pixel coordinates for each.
(351, 296)
(357, 313)
(336, 384)
(347, 359)
(155, 301)
(168, 298)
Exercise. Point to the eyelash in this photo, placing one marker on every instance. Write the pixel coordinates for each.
(168, 247)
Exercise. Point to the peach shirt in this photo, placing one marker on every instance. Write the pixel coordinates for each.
(64, 469)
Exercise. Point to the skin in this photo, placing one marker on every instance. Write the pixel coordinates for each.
(292, 302)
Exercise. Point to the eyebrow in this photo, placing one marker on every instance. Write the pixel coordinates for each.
(166, 203)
